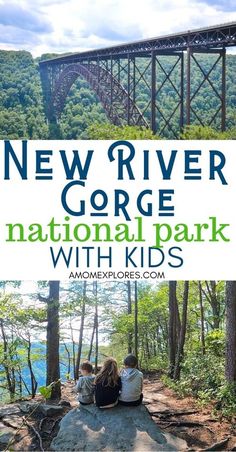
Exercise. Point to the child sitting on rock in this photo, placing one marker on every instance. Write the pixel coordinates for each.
(107, 385)
(132, 383)
(85, 385)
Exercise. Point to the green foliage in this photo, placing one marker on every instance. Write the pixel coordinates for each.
(19, 326)
(215, 343)
(111, 132)
(230, 134)
(202, 376)
(152, 327)
(159, 362)
(46, 391)
(82, 109)
(226, 400)
(203, 372)
(21, 106)
(196, 132)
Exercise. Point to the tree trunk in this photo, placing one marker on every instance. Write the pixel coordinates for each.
(155, 346)
(202, 319)
(230, 365)
(147, 346)
(69, 361)
(81, 332)
(20, 383)
(215, 305)
(33, 380)
(211, 296)
(173, 316)
(136, 319)
(92, 339)
(73, 348)
(53, 366)
(96, 328)
(129, 313)
(180, 352)
(6, 359)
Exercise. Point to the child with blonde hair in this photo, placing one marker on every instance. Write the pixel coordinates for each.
(108, 385)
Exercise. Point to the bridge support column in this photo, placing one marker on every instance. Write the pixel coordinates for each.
(181, 121)
(118, 70)
(47, 80)
(223, 111)
(134, 77)
(98, 73)
(153, 93)
(129, 90)
(188, 86)
(111, 71)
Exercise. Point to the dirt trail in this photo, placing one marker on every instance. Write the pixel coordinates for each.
(197, 426)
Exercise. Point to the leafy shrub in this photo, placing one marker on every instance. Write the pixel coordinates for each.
(46, 391)
(203, 372)
(196, 132)
(111, 132)
(226, 399)
(200, 133)
(155, 363)
(215, 342)
(202, 376)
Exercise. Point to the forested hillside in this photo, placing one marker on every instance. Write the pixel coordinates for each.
(21, 101)
(21, 111)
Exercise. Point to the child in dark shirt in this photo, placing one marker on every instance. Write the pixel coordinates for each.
(107, 385)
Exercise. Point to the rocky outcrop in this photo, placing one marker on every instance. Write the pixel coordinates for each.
(6, 435)
(50, 410)
(89, 428)
(12, 426)
(8, 410)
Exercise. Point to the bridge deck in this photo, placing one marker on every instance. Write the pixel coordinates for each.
(214, 37)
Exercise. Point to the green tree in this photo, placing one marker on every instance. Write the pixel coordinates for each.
(111, 132)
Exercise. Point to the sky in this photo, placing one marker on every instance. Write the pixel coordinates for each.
(58, 26)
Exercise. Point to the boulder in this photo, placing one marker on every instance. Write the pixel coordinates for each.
(6, 435)
(28, 407)
(13, 420)
(51, 410)
(8, 410)
(65, 403)
(89, 428)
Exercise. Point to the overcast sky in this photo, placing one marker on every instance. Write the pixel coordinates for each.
(75, 25)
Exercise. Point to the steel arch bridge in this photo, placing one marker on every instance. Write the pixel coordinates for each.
(117, 73)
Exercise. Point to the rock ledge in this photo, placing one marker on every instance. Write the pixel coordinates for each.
(89, 428)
